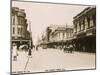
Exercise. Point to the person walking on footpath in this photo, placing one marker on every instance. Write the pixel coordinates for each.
(14, 52)
(30, 52)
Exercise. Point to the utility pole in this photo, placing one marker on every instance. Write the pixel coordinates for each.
(30, 42)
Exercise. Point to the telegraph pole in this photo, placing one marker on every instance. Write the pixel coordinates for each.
(30, 40)
(30, 34)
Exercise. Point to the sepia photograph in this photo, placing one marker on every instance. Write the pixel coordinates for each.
(52, 37)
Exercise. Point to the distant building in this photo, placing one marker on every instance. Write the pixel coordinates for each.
(58, 36)
(20, 34)
(61, 34)
(85, 30)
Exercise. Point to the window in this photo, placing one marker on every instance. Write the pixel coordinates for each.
(66, 35)
(75, 28)
(91, 21)
(13, 30)
(63, 35)
(80, 26)
(86, 23)
(18, 30)
(13, 20)
(83, 24)
(20, 20)
(71, 34)
(94, 19)
(88, 19)
(21, 31)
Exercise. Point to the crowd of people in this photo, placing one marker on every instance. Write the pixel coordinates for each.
(17, 48)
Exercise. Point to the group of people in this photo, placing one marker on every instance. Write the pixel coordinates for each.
(16, 48)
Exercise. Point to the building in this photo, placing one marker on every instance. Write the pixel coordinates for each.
(85, 30)
(58, 36)
(20, 34)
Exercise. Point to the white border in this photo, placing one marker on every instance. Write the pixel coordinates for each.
(5, 37)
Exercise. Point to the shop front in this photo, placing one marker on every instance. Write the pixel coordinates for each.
(86, 42)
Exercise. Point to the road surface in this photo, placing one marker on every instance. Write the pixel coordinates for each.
(53, 60)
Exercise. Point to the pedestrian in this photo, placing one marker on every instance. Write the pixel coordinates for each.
(14, 49)
(30, 52)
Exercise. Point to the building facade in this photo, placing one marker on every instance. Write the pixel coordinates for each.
(20, 34)
(85, 30)
(59, 36)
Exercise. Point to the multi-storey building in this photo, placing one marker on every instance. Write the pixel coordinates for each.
(85, 30)
(59, 36)
(20, 34)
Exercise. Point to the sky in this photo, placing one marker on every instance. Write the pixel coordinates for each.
(42, 15)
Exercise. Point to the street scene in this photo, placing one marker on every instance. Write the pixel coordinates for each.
(50, 37)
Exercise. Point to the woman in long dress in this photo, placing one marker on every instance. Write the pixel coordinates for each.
(14, 52)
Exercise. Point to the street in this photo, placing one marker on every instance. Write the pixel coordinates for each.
(53, 59)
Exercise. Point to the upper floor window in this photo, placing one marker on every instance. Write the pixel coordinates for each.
(83, 24)
(71, 33)
(94, 19)
(91, 20)
(63, 35)
(13, 30)
(75, 27)
(13, 20)
(86, 23)
(21, 20)
(21, 31)
(80, 26)
(88, 20)
(18, 30)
